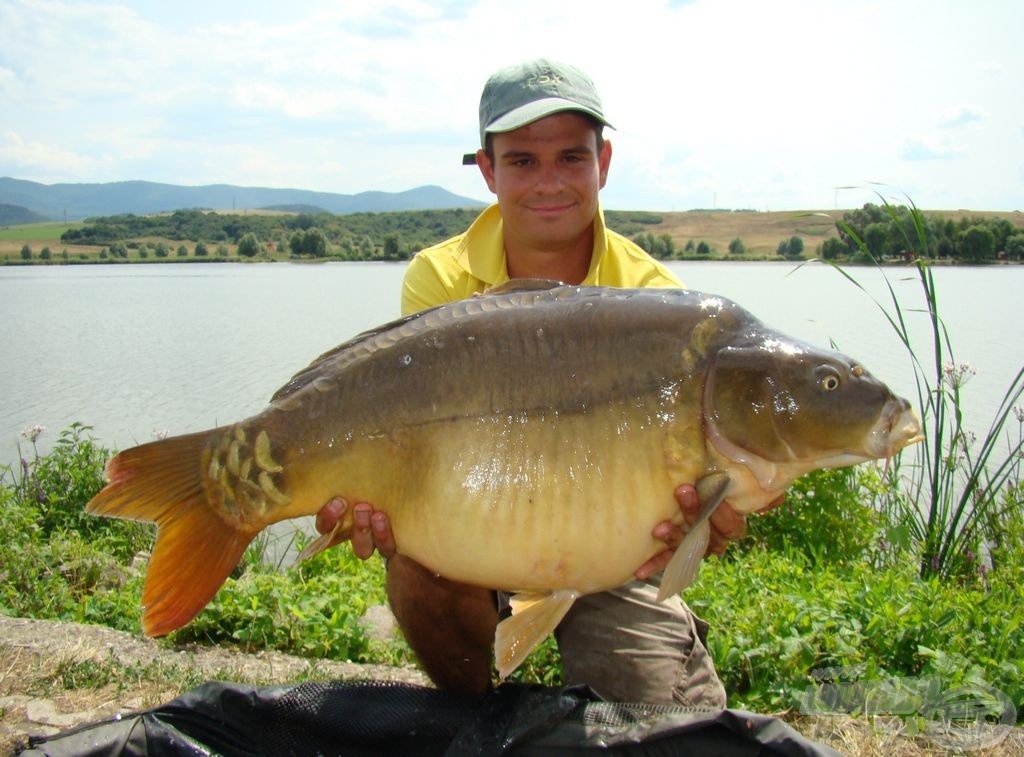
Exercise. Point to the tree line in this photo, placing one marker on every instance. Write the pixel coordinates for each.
(397, 236)
(352, 236)
(887, 233)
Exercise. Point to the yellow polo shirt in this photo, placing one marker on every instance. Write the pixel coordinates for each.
(475, 261)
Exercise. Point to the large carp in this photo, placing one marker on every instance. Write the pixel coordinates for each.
(528, 440)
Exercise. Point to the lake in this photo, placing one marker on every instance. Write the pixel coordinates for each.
(137, 350)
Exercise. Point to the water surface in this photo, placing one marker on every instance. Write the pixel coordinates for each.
(133, 350)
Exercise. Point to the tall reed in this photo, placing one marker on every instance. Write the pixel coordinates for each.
(948, 500)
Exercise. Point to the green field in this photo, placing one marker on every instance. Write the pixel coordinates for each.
(35, 232)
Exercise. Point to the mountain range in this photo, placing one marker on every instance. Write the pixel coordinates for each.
(74, 202)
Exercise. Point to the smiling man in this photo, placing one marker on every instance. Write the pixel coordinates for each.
(544, 155)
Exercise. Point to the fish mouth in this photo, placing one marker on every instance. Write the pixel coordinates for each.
(897, 427)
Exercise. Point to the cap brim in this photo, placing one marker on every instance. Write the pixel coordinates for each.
(533, 111)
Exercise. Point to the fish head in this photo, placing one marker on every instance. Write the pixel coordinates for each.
(780, 405)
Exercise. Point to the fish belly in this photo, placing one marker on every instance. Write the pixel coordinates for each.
(531, 501)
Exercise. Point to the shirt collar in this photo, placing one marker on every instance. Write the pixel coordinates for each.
(482, 249)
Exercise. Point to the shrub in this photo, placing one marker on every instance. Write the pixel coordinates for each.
(55, 561)
(827, 517)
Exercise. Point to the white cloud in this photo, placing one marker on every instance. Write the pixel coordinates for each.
(756, 104)
(931, 147)
(34, 158)
(960, 115)
(991, 67)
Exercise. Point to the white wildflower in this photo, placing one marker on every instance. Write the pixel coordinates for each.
(33, 432)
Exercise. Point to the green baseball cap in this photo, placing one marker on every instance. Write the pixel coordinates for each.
(519, 95)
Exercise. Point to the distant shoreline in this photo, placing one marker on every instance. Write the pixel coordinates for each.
(697, 235)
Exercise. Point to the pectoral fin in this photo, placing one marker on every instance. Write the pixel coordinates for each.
(325, 541)
(682, 568)
(534, 616)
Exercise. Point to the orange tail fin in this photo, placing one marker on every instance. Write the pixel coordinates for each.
(196, 548)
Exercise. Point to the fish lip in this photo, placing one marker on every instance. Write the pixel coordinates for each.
(898, 426)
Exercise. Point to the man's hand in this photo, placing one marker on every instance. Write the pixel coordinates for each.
(726, 525)
(370, 528)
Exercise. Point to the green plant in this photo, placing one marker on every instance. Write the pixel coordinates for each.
(827, 516)
(945, 496)
(55, 561)
(61, 483)
(780, 625)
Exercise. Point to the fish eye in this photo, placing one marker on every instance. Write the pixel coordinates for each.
(828, 378)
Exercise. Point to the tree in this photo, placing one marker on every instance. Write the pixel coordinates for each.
(161, 250)
(703, 248)
(45, 254)
(790, 248)
(26, 252)
(182, 251)
(736, 247)
(391, 247)
(314, 242)
(249, 245)
(876, 235)
(832, 249)
(976, 243)
(201, 250)
(222, 250)
(1015, 247)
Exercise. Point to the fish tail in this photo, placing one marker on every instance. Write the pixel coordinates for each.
(196, 547)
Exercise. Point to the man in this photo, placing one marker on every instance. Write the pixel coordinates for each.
(544, 156)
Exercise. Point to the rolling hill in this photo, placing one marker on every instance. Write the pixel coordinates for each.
(78, 201)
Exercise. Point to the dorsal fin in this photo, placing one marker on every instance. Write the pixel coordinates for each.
(523, 285)
(311, 371)
(316, 368)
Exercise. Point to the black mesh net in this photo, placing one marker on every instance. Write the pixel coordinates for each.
(378, 718)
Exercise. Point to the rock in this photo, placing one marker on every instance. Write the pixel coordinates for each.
(379, 623)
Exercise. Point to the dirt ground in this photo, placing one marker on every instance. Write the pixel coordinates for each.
(57, 675)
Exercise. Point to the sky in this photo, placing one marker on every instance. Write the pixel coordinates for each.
(761, 104)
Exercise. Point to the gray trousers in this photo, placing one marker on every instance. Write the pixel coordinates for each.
(628, 647)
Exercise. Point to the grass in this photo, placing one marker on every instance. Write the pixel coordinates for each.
(49, 232)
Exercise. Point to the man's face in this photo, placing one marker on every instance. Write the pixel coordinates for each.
(547, 175)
